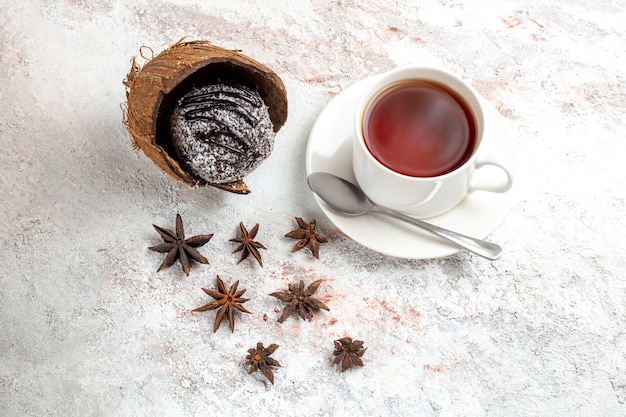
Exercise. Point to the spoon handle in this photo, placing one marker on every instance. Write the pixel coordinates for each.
(485, 249)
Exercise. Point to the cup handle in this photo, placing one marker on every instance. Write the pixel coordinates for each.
(483, 175)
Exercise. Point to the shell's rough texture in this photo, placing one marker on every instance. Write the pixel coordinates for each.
(153, 90)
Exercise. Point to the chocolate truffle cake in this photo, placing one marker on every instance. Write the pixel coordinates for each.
(204, 114)
(221, 132)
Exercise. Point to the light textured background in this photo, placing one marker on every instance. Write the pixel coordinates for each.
(88, 328)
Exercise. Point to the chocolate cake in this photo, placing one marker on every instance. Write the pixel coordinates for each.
(154, 90)
(221, 132)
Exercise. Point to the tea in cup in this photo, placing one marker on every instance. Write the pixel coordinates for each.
(419, 138)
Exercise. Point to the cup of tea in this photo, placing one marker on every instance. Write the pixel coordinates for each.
(419, 141)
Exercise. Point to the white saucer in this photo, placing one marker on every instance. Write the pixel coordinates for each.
(330, 150)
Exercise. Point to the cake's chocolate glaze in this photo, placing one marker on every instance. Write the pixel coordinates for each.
(221, 132)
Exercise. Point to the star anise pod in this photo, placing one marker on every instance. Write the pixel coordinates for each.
(226, 300)
(247, 245)
(348, 352)
(300, 300)
(177, 247)
(259, 358)
(306, 235)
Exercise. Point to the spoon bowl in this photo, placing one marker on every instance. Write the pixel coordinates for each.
(346, 198)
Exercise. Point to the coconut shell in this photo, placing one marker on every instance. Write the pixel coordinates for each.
(153, 90)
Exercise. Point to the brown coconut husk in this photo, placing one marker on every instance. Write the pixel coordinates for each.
(153, 90)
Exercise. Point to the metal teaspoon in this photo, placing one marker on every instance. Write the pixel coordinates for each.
(346, 198)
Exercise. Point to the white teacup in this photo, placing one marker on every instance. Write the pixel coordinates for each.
(398, 116)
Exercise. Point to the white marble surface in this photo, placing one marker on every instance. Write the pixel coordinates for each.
(88, 328)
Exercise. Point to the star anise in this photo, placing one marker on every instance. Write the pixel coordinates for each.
(306, 235)
(247, 245)
(226, 300)
(259, 358)
(348, 352)
(177, 247)
(300, 300)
